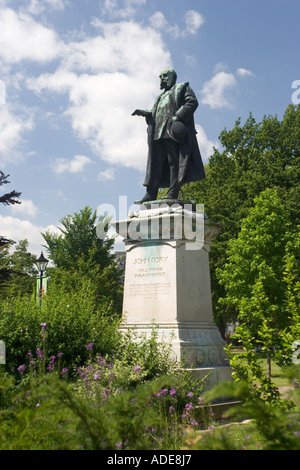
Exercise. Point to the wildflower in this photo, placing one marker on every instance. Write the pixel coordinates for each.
(105, 394)
(100, 360)
(37, 405)
(188, 406)
(137, 368)
(51, 365)
(97, 377)
(119, 445)
(60, 354)
(173, 392)
(171, 410)
(163, 392)
(190, 395)
(39, 353)
(64, 372)
(43, 325)
(21, 369)
(90, 346)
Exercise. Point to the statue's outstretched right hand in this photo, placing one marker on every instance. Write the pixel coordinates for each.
(141, 112)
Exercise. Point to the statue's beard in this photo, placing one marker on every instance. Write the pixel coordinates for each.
(165, 85)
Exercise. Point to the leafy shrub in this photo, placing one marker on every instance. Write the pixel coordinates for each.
(72, 320)
(106, 406)
(276, 424)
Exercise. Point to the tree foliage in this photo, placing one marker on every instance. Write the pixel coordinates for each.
(261, 280)
(78, 251)
(17, 270)
(8, 198)
(254, 157)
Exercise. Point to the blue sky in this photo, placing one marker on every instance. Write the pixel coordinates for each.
(73, 71)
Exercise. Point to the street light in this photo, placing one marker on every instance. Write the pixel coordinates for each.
(41, 263)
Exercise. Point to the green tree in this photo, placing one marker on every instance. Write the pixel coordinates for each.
(78, 251)
(18, 273)
(259, 280)
(253, 157)
(8, 198)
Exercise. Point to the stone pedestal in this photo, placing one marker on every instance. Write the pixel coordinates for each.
(167, 283)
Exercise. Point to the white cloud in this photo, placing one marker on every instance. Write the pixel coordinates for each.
(244, 73)
(193, 21)
(106, 175)
(13, 125)
(17, 229)
(108, 87)
(220, 67)
(191, 60)
(22, 38)
(76, 165)
(213, 91)
(206, 146)
(38, 6)
(26, 208)
(122, 8)
(2, 93)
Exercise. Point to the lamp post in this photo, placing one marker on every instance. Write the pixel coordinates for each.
(41, 263)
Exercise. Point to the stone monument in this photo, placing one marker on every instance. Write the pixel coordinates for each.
(167, 278)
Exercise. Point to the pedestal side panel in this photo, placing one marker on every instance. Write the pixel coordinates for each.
(193, 285)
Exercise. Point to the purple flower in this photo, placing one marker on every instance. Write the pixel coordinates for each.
(173, 392)
(105, 394)
(90, 346)
(188, 406)
(190, 395)
(64, 372)
(51, 365)
(39, 353)
(163, 392)
(43, 325)
(60, 354)
(137, 368)
(21, 369)
(171, 409)
(100, 360)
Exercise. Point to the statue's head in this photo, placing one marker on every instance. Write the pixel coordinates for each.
(168, 78)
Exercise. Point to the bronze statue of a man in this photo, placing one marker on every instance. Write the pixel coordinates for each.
(174, 157)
